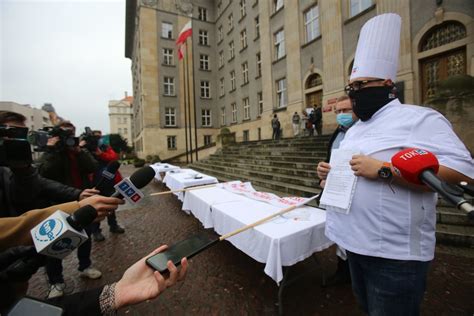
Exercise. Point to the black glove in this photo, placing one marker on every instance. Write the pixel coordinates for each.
(18, 264)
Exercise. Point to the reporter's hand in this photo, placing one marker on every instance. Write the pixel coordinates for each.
(323, 170)
(52, 141)
(88, 193)
(365, 166)
(140, 282)
(103, 205)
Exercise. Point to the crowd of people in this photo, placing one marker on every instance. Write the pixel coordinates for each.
(385, 243)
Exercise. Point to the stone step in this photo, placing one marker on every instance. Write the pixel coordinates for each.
(261, 152)
(444, 216)
(299, 159)
(294, 172)
(280, 146)
(455, 235)
(266, 163)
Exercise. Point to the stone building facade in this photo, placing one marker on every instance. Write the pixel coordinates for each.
(252, 59)
(35, 118)
(121, 118)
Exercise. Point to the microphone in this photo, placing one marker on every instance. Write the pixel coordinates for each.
(61, 233)
(420, 167)
(106, 182)
(129, 188)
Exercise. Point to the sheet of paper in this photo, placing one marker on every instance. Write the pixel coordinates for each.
(341, 181)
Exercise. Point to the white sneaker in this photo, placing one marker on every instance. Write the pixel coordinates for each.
(56, 290)
(91, 273)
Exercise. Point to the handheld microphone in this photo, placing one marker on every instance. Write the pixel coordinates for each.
(106, 182)
(138, 180)
(61, 233)
(420, 166)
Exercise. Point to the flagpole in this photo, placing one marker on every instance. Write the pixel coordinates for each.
(195, 116)
(189, 105)
(185, 114)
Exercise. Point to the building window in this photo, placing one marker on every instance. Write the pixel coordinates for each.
(243, 38)
(221, 59)
(202, 14)
(222, 116)
(205, 89)
(167, 56)
(245, 72)
(277, 5)
(204, 62)
(206, 117)
(170, 117)
(246, 105)
(203, 38)
(311, 23)
(120, 130)
(207, 140)
(125, 131)
(169, 86)
(260, 103)
(279, 44)
(166, 30)
(232, 80)
(443, 34)
(220, 33)
(313, 81)
(358, 6)
(231, 50)
(281, 93)
(231, 21)
(234, 112)
(257, 27)
(243, 10)
(171, 140)
(246, 135)
(222, 87)
(125, 120)
(259, 65)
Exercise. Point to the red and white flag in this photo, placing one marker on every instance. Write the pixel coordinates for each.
(186, 32)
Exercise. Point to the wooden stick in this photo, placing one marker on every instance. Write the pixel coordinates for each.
(283, 211)
(185, 189)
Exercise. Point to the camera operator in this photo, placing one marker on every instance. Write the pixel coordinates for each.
(104, 154)
(21, 186)
(67, 162)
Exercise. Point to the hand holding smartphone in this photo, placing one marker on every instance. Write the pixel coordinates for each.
(187, 248)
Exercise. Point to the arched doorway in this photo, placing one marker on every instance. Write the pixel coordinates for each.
(443, 63)
(314, 90)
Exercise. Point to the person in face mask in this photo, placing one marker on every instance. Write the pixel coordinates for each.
(345, 117)
(389, 229)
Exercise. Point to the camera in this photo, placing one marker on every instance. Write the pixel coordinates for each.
(92, 141)
(39, 138)
(15, 149)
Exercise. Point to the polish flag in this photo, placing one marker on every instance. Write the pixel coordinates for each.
(183, 35)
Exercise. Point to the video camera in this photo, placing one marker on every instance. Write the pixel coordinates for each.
(39, 138)
(15, 149)
(92, 141)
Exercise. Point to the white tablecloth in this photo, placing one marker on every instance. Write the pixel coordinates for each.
(162, 168)
(280, 242)
(185, 178)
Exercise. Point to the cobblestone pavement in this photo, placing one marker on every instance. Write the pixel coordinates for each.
(224, 281)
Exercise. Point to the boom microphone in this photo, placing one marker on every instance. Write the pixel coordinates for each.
(61, 233)
(420, 166)
(138, 180)
(106, 182)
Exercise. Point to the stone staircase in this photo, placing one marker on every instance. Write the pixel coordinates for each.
(288, 167)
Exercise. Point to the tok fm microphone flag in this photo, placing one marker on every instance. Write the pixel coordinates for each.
(186, 32)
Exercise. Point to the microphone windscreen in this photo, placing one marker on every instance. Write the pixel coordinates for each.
(410, 163)
(85, 215)
(142, 177)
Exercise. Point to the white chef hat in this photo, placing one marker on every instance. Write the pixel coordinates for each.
(377, 50)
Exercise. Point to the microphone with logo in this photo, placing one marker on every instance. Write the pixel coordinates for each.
(419, 166)
(129, 188)
(106, 182)
(61, 233)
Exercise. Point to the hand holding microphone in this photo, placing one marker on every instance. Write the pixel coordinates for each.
(419, 166)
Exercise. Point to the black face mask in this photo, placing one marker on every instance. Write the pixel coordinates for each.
(366, 102)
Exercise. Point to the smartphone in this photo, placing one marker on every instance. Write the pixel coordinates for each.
(31, 306)
(185, 248)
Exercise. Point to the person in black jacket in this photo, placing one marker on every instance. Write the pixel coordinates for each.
(345, 119)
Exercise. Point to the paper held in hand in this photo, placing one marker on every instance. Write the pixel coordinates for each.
(340, 183)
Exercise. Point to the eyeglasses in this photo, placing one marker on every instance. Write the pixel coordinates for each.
(357, 85)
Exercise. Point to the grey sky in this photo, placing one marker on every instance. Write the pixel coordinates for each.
(68, 53)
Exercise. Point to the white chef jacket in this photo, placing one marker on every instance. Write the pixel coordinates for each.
(398, 225)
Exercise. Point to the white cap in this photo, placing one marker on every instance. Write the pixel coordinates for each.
(377, 50)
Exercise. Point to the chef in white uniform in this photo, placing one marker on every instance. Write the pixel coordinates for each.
(389, 232)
